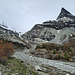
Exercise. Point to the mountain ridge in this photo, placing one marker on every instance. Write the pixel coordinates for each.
(9, 35)
(48, 31)
(65, 13)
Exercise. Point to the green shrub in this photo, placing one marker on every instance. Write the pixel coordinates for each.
(59, 56)
(47, 48)
(43, 46)
(54, 52)
(66, 56)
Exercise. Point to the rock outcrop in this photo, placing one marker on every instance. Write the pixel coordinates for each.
(56, 31)
(10, 35)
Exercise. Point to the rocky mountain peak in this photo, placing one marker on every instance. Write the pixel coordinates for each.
(65, 13)
(53, 31)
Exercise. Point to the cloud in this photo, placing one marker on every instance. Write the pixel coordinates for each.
(23, 14)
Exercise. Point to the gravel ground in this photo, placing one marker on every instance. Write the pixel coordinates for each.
(27, 58)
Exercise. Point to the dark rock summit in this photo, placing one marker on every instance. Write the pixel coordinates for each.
(65, 19)
(65, 13)
(53, 31)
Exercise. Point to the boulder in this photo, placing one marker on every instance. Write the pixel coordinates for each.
(37, 68)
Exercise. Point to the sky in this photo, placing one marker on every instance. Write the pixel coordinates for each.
(22, 15)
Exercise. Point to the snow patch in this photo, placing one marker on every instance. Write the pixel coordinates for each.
(64, 19)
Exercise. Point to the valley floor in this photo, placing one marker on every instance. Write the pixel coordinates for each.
(59, 66)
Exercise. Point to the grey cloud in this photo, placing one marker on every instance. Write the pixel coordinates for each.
(23, 14)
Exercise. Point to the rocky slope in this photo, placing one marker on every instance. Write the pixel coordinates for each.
(16, 67)
(6, 33)
(52, 67)
(57, 31)
(10, 35)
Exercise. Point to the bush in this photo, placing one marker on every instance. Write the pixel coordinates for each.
(54, 52)
(47, 48)
(43, 46)
(59, 56)
(6, 49)
(66, 56)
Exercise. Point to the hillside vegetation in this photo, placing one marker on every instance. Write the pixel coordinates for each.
(54, 51)
(6, 50)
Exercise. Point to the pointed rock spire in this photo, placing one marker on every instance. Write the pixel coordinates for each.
(65, 13)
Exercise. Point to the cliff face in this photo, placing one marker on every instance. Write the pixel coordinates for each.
(7, 34)
(10, 35)
(56, 31)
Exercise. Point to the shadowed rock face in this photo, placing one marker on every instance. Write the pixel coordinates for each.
(65, 13)
(56, 31)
